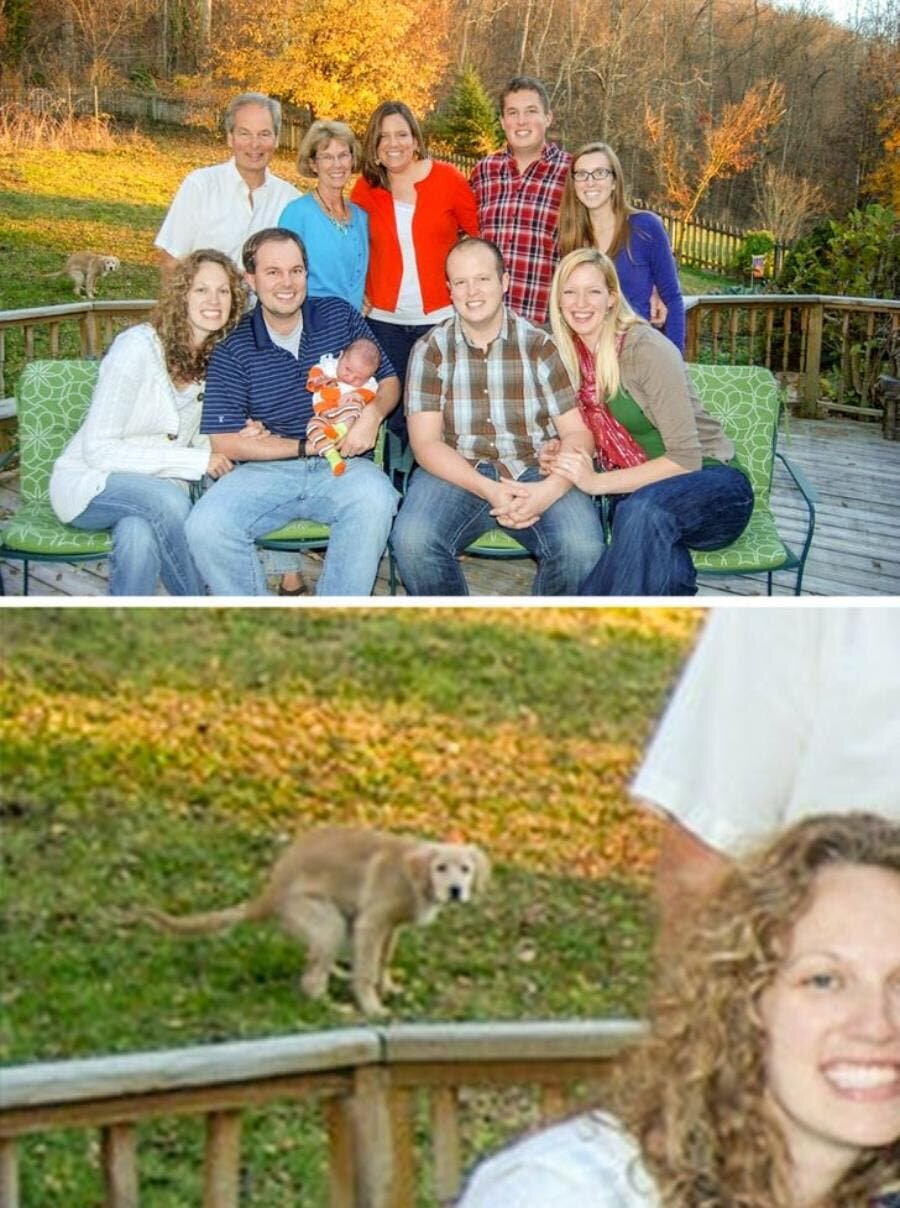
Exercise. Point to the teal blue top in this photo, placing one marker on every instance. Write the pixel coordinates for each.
(338, 256)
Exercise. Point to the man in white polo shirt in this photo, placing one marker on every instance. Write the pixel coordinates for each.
(220, 206)
(781, 712)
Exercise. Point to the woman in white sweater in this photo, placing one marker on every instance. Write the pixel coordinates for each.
(128, 466)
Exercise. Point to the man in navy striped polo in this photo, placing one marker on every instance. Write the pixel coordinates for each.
(259, 373)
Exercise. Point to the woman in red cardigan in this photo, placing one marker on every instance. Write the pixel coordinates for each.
(417, 208)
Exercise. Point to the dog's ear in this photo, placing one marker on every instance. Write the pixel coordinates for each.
(418, 866)
(482, 869)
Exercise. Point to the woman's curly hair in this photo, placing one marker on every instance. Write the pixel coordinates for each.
(693, 1094)
(184, 362)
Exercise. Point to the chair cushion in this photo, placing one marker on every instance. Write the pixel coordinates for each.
(52, 399)
(499, 543)
(299, 530)
(35, 529)
(759, 548)
(746, 401)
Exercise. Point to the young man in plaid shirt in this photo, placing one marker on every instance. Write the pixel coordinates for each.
(519, 191)
(484, 390)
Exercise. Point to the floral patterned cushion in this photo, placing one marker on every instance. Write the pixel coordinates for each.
(746, 401)
(52, 400)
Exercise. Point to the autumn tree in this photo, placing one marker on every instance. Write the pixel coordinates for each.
(338, 58)
(786, 203)
(728, 146)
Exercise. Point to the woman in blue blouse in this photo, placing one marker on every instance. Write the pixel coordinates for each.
(334, 230)
(594, 213)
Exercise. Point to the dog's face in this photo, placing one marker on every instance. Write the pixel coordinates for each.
(456, 872)
(109, 264)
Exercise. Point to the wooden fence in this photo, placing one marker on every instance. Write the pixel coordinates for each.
(363, 1081)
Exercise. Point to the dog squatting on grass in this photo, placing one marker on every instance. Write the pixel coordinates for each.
(336, 886)
(85, 269)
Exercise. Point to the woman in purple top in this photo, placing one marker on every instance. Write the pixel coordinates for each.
(594, 213)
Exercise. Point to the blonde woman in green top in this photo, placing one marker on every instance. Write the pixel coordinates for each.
(664, 462)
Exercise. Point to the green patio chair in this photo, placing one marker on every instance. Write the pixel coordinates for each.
(747, 402)
(52, 398)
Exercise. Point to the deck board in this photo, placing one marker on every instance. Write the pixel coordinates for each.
(856, 550)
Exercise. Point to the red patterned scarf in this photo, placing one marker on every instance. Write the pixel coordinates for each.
(616, 447)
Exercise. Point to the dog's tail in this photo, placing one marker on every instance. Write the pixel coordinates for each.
(211, 922)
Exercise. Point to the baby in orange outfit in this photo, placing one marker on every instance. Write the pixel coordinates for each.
(341, 387)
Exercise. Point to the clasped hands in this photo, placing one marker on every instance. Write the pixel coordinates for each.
(575, 465)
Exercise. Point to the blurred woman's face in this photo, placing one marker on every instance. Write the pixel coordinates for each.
(396, 147)
(208, 301)
(832, 1021)
(585, 301)
(333, 164)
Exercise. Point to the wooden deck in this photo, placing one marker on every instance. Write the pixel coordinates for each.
(855, 552)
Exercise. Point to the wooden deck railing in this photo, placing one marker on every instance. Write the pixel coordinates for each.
(76, 329)
(363, 1080)
(795, 335)
(801, 335)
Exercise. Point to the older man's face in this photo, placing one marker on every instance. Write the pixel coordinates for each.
(253, 140)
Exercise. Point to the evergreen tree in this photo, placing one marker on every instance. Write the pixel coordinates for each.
(466, 123)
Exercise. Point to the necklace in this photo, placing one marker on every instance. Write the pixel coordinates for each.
(342, 223)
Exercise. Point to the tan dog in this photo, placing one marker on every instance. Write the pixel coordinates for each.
(85, 268)
(334, 885)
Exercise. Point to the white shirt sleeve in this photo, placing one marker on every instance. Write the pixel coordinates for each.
(179, 233)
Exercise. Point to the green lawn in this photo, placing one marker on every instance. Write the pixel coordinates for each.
(165, 756)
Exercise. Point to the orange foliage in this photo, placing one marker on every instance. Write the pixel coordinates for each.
(340, 58)
(883, 182)
(729, 146)
(533, 799)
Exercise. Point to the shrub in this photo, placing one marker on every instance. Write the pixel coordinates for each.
(858, 256)
(756, 243)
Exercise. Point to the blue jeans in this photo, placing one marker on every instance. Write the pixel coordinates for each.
(654, 529)
(397, 340)
(260, 496)
(147, 517)
(438, 520)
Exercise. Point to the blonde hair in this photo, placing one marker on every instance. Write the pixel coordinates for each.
(619, 319)
(575, 229)
(694, 1094)
(319, 135)
(184, 362)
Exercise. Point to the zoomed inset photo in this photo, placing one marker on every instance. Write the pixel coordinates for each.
(365, 908)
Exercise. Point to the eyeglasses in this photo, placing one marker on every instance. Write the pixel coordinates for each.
(342, 157)
(581, 175)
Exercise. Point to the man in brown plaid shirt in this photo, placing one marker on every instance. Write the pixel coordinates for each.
(484, 390)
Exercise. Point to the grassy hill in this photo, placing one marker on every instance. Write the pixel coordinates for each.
(53, 202)
(164, 756)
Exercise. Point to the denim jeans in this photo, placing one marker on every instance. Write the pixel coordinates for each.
(147, 517)
(260, 496)
(438, 520)
(397, 341)
(654, 529)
